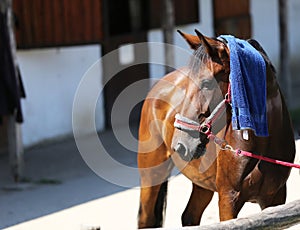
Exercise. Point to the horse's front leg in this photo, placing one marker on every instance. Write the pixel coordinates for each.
(199, 200)
(228, 182)
(155, 168)
(230, 204)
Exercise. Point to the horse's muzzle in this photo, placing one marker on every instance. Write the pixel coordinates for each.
(188, 154)
(193, 138)
(182, 150)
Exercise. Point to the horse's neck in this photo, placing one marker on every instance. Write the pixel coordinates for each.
(272, 84)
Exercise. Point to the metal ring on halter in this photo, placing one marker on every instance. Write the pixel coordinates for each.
(227, 98)
(205, 129)
(227, 147)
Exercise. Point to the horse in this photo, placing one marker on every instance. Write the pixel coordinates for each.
(194, 92)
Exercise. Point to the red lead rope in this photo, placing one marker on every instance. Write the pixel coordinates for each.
(284, 163)
(224, 146)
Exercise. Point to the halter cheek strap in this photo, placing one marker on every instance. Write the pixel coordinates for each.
(185, 124)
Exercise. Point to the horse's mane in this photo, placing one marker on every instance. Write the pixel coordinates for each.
(259, 48)
(198, 59)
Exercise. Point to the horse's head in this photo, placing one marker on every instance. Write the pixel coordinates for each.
(207, 86)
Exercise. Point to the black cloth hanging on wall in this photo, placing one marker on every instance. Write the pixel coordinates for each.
(11, 86)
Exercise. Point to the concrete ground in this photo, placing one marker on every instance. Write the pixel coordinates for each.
(64, 193)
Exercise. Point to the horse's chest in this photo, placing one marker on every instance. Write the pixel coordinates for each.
(202, 173)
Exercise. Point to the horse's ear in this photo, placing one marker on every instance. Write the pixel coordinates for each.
(205, 42)
(192, 40)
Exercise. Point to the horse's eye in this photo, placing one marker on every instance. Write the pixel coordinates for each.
(207, 84)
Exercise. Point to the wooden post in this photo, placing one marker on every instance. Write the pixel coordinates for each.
(284, 73)
(15, 147)
(168, 22)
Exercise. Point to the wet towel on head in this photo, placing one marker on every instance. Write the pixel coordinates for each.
(248, 86)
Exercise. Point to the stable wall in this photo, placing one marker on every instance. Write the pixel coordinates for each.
(205, 26)
(51, 77)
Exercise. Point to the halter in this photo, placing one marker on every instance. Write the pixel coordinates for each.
(185, 124)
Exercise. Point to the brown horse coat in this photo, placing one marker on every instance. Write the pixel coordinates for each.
(236, 179)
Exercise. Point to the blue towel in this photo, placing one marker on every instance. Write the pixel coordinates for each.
(248, 87)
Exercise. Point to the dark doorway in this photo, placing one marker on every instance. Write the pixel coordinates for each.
(126, 24)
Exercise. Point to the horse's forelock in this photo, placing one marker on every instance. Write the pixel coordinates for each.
(198, 60)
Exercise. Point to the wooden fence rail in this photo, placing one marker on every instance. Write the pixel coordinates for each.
(279, 217)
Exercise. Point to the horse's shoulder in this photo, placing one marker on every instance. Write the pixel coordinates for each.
(168, 92)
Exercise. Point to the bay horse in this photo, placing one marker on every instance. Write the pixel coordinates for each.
(194, 92)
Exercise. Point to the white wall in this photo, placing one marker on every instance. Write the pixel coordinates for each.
(265, 26)
(51, 77)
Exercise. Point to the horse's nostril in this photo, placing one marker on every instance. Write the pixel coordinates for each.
(180, 148)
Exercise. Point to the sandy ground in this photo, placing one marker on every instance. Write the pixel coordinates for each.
(119, 210)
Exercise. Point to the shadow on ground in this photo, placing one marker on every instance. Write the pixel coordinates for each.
(56, 178)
